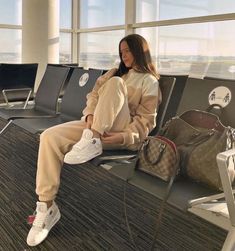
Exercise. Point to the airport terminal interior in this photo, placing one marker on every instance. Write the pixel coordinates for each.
(52, 53)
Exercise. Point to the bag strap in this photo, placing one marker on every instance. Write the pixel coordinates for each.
(230, 138)
(162, 206)
(161, 211)
(211, 107)
(130, 175)
(163, 203)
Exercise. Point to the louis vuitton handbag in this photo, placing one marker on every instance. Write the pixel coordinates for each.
(158, 156)
(199, 137)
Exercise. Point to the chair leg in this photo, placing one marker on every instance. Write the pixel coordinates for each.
(27, 99)
(6, 126)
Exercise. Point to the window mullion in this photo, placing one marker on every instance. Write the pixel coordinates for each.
(75, 23)
(130, 16)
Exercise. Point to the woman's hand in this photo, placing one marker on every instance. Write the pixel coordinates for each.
(112, 138)
(89, 121)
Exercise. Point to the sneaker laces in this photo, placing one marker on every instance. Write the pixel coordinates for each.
(39, 220)
(80, 144)
(86, 137)
(40, 217)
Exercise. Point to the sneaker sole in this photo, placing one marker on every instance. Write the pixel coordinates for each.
(73, 161)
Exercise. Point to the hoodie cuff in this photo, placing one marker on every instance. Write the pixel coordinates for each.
(127, 139)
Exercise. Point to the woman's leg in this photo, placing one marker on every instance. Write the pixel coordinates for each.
(112, 111)
(111, 114)
(55, 142)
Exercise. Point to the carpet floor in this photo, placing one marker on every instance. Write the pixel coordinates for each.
(91, 204)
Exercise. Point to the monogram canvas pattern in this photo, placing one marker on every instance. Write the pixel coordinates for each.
(199, 137)
(202, 164)
(158, 158)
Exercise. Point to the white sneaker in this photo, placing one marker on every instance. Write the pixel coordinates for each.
(44, 220)
(86, 149)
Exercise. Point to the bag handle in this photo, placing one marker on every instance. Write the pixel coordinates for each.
(218, 107)
(202, 119)
(210, 107)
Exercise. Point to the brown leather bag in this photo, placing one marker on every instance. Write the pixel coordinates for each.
(199, 137)
(158, 156)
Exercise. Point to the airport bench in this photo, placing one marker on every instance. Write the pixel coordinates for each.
(188, 195)
(17, 82)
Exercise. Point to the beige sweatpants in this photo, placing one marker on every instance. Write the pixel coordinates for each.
(111, 114)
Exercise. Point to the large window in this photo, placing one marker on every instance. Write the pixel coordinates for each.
(65, 14)
(10, 12)
(10, 46)
(10, 34)
(153, 10)
(65, 48)
(100, 49)
(190, 48)
(185, 36)
(66, 29)
(97, 13)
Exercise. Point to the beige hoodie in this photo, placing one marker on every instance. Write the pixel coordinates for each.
(144, 97)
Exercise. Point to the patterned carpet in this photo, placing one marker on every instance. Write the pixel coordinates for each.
(91, 203)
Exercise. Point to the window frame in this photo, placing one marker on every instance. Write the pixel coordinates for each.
(131, 25)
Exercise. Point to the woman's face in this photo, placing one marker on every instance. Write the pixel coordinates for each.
(126, 54)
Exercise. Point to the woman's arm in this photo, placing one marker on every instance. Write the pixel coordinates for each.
(112, 138)
(144, 119)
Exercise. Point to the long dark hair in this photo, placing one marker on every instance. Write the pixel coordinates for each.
(141, 53)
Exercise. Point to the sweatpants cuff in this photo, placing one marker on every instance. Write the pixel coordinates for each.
(46, 198)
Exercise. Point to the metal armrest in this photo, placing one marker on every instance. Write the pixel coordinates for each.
(217, 212)
(223, 159)
(5, 91)
(206, 199)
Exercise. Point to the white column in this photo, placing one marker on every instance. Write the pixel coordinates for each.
(53, 31)
(40, 33)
